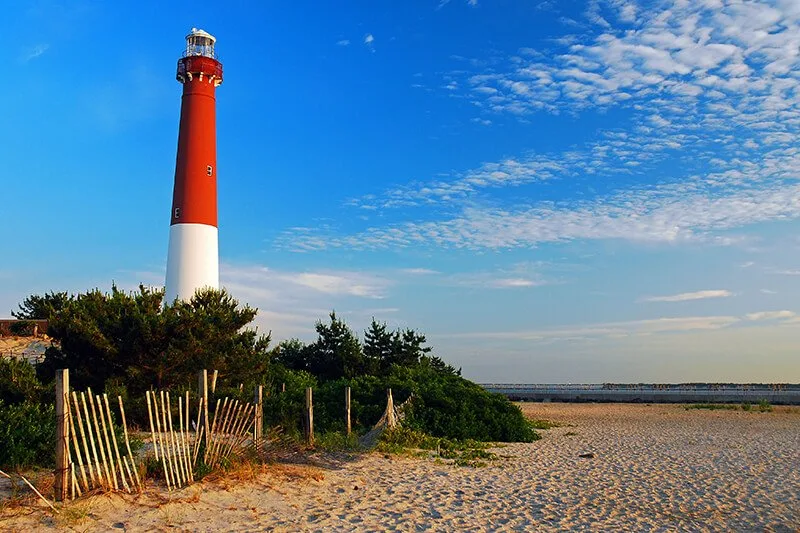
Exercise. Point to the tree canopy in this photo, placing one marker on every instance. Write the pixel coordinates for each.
(128, 342)
(42, 307)
(133, 337)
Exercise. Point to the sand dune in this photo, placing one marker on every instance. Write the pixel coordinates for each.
(655, 468)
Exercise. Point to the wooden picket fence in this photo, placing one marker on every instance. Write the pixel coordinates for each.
(90, 458)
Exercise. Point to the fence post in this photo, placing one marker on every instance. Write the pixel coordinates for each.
(202, 393)
(62, 479)
(258, 426)
(214, 382)
(283, 387)
(309, 418)
(347, 408)
(391, 421)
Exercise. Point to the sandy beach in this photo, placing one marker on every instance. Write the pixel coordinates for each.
(654, 468)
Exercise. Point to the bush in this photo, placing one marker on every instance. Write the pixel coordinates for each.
(18, 382)
(21, 328)
(444, 405)
(764, 406)
(28, 435)
(408, 441)
(447, 405)
(286, 409)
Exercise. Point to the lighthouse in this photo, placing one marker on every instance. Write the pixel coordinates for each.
(193, 256)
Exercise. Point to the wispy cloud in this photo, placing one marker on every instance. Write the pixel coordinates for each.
(442, 3)
(516, 276)
(687, 296)
(701, 90)
(788, 272)
(631, 328)
(369, 42)
(669, 214)
(610, 329)
(33, 52)
(419, 271)
(343, 42)
(513, 283)
(770, 315)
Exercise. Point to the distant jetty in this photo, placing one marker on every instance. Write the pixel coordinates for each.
(774, 393)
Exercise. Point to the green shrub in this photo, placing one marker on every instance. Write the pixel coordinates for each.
(543, 424)
(337, 441)
(408, 441)
(286, 409)
(27, 434)
(22, 328)
(447, 405)
(764, 406)
(712, 406)
(18, 382)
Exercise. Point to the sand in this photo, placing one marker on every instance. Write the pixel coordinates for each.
(655, 468)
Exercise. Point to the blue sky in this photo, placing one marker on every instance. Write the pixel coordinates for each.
(570, 191)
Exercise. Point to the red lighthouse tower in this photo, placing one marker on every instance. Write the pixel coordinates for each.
(193, 257)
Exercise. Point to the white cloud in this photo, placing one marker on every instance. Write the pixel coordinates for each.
(517, 276)
(770, 315)
(709, 89)
(687, 296)
(289, 303)
(631, 328)
(607, 329)
(343, 42)
(352, 284)
(513, 283)
(673, 214)
(34, 52)
(369, 39)
(419, 271)
(442, 3)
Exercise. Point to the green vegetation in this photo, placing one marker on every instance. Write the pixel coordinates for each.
(21, 328)
(27, 434)
(712, 406)
(337, 441)
(543, 424)
(407, 441)
(126, 343)
(134, 339)
(763, 406)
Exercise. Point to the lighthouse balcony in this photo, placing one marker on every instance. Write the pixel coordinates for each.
(199, 66)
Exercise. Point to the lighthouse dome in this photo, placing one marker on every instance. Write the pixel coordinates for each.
(200, 43)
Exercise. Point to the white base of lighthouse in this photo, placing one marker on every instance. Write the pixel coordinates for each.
(192, 260)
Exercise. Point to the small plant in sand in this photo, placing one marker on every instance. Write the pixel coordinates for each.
(764, 406)
(543, 424)
(712, 406)
(407, 441)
